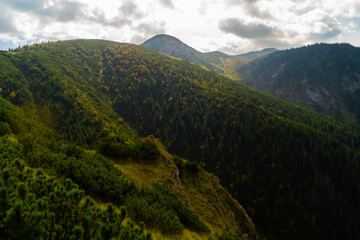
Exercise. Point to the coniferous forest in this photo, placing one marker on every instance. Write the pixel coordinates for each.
(73, 113)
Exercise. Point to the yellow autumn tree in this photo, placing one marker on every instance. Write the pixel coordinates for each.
(12, 94)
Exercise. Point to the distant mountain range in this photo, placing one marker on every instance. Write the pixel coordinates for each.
(256, 54)
(216, 61)
(174, 47)
(322, 77)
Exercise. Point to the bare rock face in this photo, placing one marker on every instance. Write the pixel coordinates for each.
(303, 92)
(322, 77)
(350, 83)
(318, 97)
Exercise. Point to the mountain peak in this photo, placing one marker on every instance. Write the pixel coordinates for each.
(169, 45)
(174, 47)
(163, 37)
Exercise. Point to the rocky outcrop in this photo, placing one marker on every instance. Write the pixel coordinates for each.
(350, 83)
(322, 77)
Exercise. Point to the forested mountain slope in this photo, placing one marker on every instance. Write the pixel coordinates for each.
(271, 164)
(176, 48)
(295, 172)
(323, 77)
(216, 61)
(60, 106)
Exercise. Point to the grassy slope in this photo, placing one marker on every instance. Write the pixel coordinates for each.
(200, 190)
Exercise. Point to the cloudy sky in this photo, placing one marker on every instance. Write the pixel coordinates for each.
(231, 26)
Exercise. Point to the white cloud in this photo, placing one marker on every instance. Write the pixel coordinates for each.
(233, 26)
(167, 3)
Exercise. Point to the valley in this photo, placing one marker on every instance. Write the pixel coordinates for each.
(134, 127)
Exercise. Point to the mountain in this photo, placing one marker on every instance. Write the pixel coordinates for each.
(174, 47)
(322, 77)
(256, 54)
(240, 135)
(294, 170)
(58, 119)
(216, 61)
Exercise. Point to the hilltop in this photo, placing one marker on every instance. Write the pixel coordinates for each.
(174, 47)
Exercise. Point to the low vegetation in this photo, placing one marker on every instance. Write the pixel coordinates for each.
(157, 207)
(36, 206)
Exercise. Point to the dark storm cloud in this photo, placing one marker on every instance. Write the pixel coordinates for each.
(333, 30)
(167, 3)
(252, 30)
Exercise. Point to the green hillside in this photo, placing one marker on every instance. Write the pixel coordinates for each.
(259, 147)
(175, 48)
(61, 107)
(219, 62)
(294, 171)
(323, 77)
